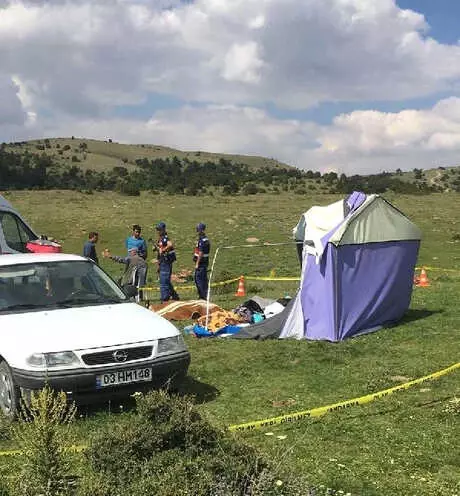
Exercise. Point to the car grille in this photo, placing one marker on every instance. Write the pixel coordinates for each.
(105, 357)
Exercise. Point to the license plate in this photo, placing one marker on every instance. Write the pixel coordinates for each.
(123, 377)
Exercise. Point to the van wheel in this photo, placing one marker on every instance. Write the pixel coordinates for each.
(9, 393)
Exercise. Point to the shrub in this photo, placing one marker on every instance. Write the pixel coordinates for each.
(43, 433)
(5, 428)
(129, 188)
(250, 189)
(168, 449)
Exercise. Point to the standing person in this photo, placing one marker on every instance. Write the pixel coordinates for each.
(89, 248)
(137, 241)
(201, 259)
(136, 267)
(166, 256)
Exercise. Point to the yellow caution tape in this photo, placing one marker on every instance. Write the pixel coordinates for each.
(322, 410)
(314, 412)
(213, 285)
(441, 269)
(286, 279)
(75, 449)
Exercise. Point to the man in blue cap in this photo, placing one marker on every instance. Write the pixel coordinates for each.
(166, 256)
(201, 259)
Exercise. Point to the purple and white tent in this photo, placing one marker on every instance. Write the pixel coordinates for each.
(358, 262)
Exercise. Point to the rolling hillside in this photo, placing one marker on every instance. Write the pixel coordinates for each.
(104, 155)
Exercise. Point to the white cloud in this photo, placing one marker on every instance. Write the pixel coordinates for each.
(242, 63)
(293, 53)
(66, 65)
(11, 108)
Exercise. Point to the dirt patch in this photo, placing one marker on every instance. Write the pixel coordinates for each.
(288, 402)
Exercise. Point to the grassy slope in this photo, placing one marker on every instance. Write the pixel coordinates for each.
(103, 155)
(404, 444)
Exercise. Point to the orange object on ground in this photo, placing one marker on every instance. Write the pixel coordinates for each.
(240, 291)
(423, 281)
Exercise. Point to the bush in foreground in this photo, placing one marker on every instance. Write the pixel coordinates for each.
(168, 449)
(42, 433)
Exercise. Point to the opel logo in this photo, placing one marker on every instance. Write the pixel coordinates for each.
(120, 355)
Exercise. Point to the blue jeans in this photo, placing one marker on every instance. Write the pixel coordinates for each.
(201, 281)
(167, 290)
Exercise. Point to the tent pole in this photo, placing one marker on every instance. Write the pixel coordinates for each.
(208, 295)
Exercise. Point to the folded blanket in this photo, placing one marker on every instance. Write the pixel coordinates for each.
(184, 310)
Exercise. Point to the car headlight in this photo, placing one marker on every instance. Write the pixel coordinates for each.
(57, 359)
(171, 345)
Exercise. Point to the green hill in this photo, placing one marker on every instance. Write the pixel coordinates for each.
(134, 166)
(104, 155)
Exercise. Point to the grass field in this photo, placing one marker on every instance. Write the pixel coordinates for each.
(406, 444)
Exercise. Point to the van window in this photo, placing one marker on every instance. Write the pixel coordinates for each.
(16, 233)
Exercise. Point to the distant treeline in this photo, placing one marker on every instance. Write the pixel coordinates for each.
(175, 176)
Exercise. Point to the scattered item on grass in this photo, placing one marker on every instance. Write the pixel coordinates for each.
(219, 319)
(281, 438)
(184, 310)
(400, 378)
(288, 402)
(252, 240)
(269, 433)
(273, 309)
(202, 332)
(183, 275)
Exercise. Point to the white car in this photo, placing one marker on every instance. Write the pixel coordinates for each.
(66, 323)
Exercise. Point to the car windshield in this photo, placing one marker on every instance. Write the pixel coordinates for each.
(63, 284)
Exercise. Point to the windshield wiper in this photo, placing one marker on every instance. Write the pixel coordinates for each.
(26, 306)
(68, 302)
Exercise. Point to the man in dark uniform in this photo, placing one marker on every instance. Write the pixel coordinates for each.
(166, 256)
(201, 259)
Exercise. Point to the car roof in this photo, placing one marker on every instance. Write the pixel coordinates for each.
(23, 258)
(4, 202)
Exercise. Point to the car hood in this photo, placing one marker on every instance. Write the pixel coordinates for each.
(81, 328)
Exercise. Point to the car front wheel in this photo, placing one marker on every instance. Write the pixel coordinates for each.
(8, 391)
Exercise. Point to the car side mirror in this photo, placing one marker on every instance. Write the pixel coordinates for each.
(130, 290)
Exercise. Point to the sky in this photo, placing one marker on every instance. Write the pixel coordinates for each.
(353, 86)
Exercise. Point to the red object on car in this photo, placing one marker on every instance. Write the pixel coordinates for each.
(43, 246)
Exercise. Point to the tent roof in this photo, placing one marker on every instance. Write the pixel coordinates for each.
(375, 221)
(356, 220)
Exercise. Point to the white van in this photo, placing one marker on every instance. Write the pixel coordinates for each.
(64, 322)
(17, 237)
(14, 231)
